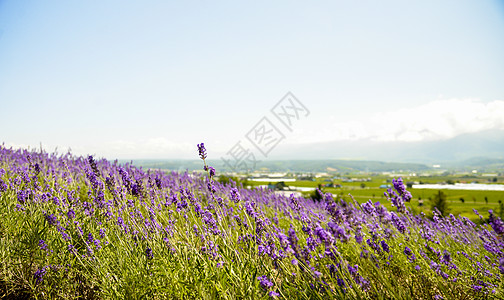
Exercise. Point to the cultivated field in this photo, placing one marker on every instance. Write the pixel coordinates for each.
(460, 202)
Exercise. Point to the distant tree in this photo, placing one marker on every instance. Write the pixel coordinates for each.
(495, 179)
(486, 199)
(449, 181)
(226, 179)
(474, 199)
(318, 194)
(462, 199)
(440, 202)
(362, 185)
(409, 185)
(281, 186)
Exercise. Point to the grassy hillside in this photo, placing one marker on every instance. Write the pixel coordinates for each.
(73, 227)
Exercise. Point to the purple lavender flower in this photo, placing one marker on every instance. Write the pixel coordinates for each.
(398, 223)
(211, 171)
(324, 235)
(368, 207)
(92, 163)
(400, 197)
(3, 186)
(22, 196)
(337, 231)
(125, 178)
(202, 151)
(477, 288)
(359, 238)
(249, 208)
(110, 183)
(353, 270)
(340, 282)
(235, 196)
(71, 249)
(496, 223)
(401, 189)
(43, 245)
(71, 214)
(149, 254)
(158, 182)
(51, 219)
(39, 275)
(36, 167)
(294, 202)
(385, 246)
(373, 245)
(211, 187)
(264, 282)
(90, 238)
(137, 189)
(446, 258)
(273, 294)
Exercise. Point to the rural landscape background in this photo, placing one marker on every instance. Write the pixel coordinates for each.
(225, 150)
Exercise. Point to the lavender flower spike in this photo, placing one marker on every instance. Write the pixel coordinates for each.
(202, 151)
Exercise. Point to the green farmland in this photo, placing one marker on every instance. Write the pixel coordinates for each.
(460, 202)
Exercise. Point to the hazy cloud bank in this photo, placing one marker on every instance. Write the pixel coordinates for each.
(436, 120)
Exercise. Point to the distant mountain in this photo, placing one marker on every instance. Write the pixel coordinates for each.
(328, 165)
(482, 164)
(488, 144)
(341, 166)
(481, 151)
(168, 164)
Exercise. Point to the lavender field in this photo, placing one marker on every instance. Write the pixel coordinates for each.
(77, 227)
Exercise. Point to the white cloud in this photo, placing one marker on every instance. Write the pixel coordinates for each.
(440, 119)
(50, 148)
(157, 147)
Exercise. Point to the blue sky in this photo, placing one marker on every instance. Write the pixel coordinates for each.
(150, 79)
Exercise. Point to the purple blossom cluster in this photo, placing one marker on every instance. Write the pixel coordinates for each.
(399, 195)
